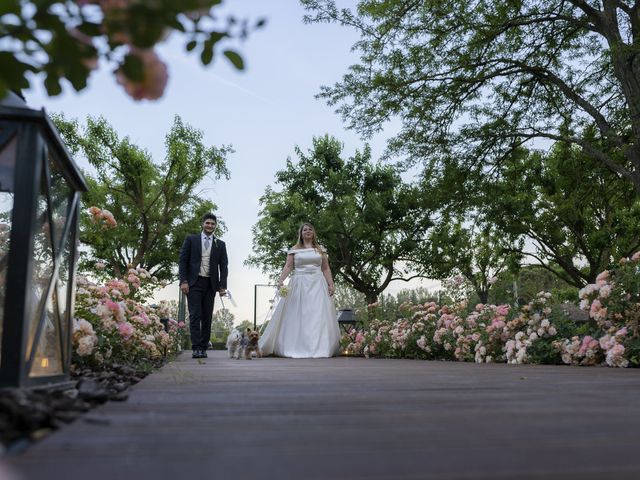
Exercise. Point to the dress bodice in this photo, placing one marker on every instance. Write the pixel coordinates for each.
(306, 260)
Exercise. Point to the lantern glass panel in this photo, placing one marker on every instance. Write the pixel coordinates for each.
(7, 163)
(60, 195)
(7, 166)
(48, 358)
(42, 266)
(64, 285)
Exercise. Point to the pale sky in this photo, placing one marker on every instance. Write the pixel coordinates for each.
(263, 112)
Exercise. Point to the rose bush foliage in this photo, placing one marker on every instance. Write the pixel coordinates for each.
(539, 332)
(111, 325)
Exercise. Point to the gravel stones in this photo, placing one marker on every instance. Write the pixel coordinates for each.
(26, 415)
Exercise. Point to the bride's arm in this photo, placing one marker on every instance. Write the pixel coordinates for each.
(286, 270)
(326, 271)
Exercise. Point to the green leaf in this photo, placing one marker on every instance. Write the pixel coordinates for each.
(145, 25)
(91, 29)
(191, 45)
(9, 6)
(12, 73)
(78, 75)
(52, 84)
(235, 59)
(176, 25)
(207, 53)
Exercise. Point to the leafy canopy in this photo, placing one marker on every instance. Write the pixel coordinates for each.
(155, 204)
(367, 218)
(475, 79)
(66, 39)
(578, 216)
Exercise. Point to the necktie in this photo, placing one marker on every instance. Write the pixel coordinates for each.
(207, 243)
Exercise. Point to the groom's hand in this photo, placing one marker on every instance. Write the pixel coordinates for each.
(222, 292)
(184, 287)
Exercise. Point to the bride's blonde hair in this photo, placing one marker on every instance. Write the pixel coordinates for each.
(314, 242)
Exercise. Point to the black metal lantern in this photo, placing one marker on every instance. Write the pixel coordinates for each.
(40, 189)
(346, 317)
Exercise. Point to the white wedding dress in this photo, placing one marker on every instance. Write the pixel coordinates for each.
(303, 324)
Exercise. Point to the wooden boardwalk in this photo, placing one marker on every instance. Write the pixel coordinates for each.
(352, 418)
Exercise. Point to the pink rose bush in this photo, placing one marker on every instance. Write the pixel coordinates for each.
(484, 335)
(111, 327)
(536, 333)
(102, 217)
(613, 303)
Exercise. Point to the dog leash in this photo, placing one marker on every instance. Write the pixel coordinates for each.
(274, 302)
(228, 295)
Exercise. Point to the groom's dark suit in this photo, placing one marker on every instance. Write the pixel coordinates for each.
(202, 289)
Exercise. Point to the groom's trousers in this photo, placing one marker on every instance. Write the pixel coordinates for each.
(200, 300)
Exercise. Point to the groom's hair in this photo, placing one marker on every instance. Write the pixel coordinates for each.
(208, 216)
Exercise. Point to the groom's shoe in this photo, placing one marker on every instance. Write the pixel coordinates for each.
(195, 353)
(203, 354)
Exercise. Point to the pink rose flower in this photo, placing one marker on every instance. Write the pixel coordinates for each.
(126, 329)
(154, 77)
(498, 324)
(622, 332)
(595, 306)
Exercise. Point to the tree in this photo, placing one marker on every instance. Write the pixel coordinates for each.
(154, 203)
(66, 39)
(246, 324)
(368, 219)
(578, 215)
(346, 297)
(522, 287)
(392, 307)
(222, 323)
(478, 253)
(475, 80)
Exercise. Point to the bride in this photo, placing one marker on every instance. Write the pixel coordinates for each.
(303, 323)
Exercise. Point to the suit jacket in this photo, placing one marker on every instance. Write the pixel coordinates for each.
(191, 257)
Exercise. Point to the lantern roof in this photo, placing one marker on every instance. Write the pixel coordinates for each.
(13, 108)
(13, 100)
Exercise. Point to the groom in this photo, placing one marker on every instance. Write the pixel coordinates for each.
(203, 271)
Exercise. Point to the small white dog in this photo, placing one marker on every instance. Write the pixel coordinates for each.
(234, 344)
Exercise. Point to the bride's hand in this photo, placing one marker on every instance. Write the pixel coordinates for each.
(331, 290)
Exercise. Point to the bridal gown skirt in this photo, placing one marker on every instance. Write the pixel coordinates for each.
(303, 324)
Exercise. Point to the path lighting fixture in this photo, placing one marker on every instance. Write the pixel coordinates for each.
(40, 189)
(346, 317)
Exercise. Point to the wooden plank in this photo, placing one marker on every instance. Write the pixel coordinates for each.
(353, 418)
